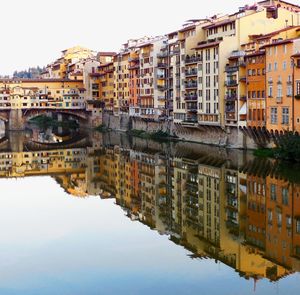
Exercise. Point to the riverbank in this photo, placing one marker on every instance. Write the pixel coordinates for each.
(230, 137)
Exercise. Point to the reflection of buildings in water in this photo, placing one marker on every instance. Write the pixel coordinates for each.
(209, 205)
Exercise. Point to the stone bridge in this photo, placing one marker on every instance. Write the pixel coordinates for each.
(15, 119)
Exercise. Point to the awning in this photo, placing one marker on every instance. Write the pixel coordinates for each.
(243, 110)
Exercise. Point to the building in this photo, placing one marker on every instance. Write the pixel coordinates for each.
(280, 76)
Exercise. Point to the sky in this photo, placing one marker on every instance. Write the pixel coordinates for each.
(34, 32)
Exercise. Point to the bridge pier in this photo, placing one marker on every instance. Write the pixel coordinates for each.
(16, 120)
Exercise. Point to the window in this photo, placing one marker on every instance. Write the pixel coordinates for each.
(285, 116)
(275, 66)
(273, 192)
(289, 90)
(298, 226)
(269, 67)
(285, 196)
(274, 115)
(298, 88)
(279, 90)
(284, 65)
(270, 217)
(270, 91)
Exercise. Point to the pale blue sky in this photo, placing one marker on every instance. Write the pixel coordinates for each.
(53, 243)
(33, 32)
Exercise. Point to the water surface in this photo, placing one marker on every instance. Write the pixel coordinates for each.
(110, 214)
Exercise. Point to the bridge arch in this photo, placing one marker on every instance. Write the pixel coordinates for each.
(80, 115)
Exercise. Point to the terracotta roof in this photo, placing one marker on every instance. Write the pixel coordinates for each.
(217, 24)
(191, 27)
(40, 80)
(271, 34)
(256, 53)
(145, 45)
(107, 53)
(207, 45)
(285, 2)
(287, 41)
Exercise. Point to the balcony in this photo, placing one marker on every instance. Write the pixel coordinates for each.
(175, 51)
(162, 87)
(192, 72)
(231, 83)
(191, 85)
(160, 77)
(191, 97)
(162, 65)
(231, 69)
(192, 59)
(133, 59)
(237, 53)
(243, 98)
(243, 79)
(242, 64)
(133, 67)
(161, 97)
(162, 54)
(297, 96)
(192, 108)
(231, 97)
(146, 54)
(230, 108)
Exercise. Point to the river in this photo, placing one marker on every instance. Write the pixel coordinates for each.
(112, 214)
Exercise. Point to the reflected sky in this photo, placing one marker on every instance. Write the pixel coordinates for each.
(53, 243)
(110, 214)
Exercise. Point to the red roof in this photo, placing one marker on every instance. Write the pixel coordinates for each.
(221, 23)
(287, 41)
(256, 53)
(191, 27)
(207, 45)
(107, 53)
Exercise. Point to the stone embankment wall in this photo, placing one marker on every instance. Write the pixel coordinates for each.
(230, 137)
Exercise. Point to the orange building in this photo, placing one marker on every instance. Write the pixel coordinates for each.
(279, 216)
(255, 89)
(106, 90)
(256, 212)
(296, 98)
(280, 73)
(133, 67)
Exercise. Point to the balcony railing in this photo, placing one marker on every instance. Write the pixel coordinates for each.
(191, 97)
(238, 53)
(162, 87)
(175, 51)
(231, 97)
(231, 83)
(133, 67)
(162, 54)
(133, 59)
(190, 84)
(230, 109)
(162, 65)
(161, 76)
(231, 69)
(192, 72)
(192, 59)
(192, 108)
